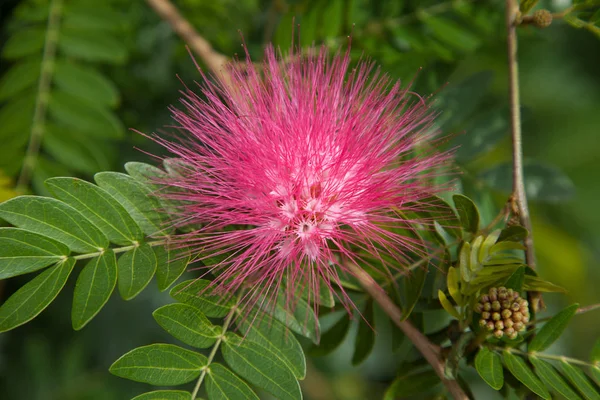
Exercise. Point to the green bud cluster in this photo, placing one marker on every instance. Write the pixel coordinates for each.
(503, 312)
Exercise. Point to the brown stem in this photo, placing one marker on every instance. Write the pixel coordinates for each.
(213, 60)
(519, 196)
(430, 351)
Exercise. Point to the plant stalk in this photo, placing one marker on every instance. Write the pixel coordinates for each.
(519, 197)
(430, 351)
(213, 352)
(43, 96)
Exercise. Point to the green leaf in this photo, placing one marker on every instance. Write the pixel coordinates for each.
(467, 213)
(457, 353)
(412, 287)
(94, 286)
(331, 339)
(542, 182)
(365, 337)
(526, 5)
(260, 367)
(535, 284)
(514, 233)
(453, 279)
(52, 218)
(96, 17)
(596, 373)
(521, 371)
(24, 43)
(171, 265)
(136, 268)
(489, 366)
(137, 199)
(84, 117)
(19, 77)
(85, 83)
(580, 381)
(552, 329)
(33, 297)
(99, 207)
(90, 46)
(595, 355)
(15, 119)
(261, 329)
(447, 305)
(482, 134)
(222, 384)
(187, 324)
(515, 281)
(464, 262)
(143, 172)
(452, 34)
(302, 320)
(456, 102)
(76, 151)
(196, 293)
(22, 252)
(160, 365)
(552, 379)
(411, 384)
(165, 395)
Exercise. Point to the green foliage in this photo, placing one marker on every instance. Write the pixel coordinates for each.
(489, 366)
(113, 232)
(467, 213)
(160, 364)
(187, 324)
(268, 356)
(552, 379)
(84, 222)
(553, 329)
(542, 182)
(365, 337)
(95, 284)
(56, 88)
(520, 370)
(411, 384)
(31, 299)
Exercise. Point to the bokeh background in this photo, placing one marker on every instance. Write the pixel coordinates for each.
(454, 49)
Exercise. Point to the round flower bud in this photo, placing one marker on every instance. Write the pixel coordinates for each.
(542, 18)
(503, 312)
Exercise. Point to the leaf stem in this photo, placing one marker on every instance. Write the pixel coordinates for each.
(43, 96)
(213, 352)
(553, 357)
(430, 351)
(119, 249)
(519, 197)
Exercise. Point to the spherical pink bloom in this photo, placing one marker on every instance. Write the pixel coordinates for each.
(295, 168)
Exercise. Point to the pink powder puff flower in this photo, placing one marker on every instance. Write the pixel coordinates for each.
(292, 169)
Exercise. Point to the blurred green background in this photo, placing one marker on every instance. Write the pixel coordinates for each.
(140, 61)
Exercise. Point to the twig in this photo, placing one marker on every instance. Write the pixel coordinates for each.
(213, 352)
(213, 60)
(553, 357)
(519, 196)
(41, 103)
(430, 351)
